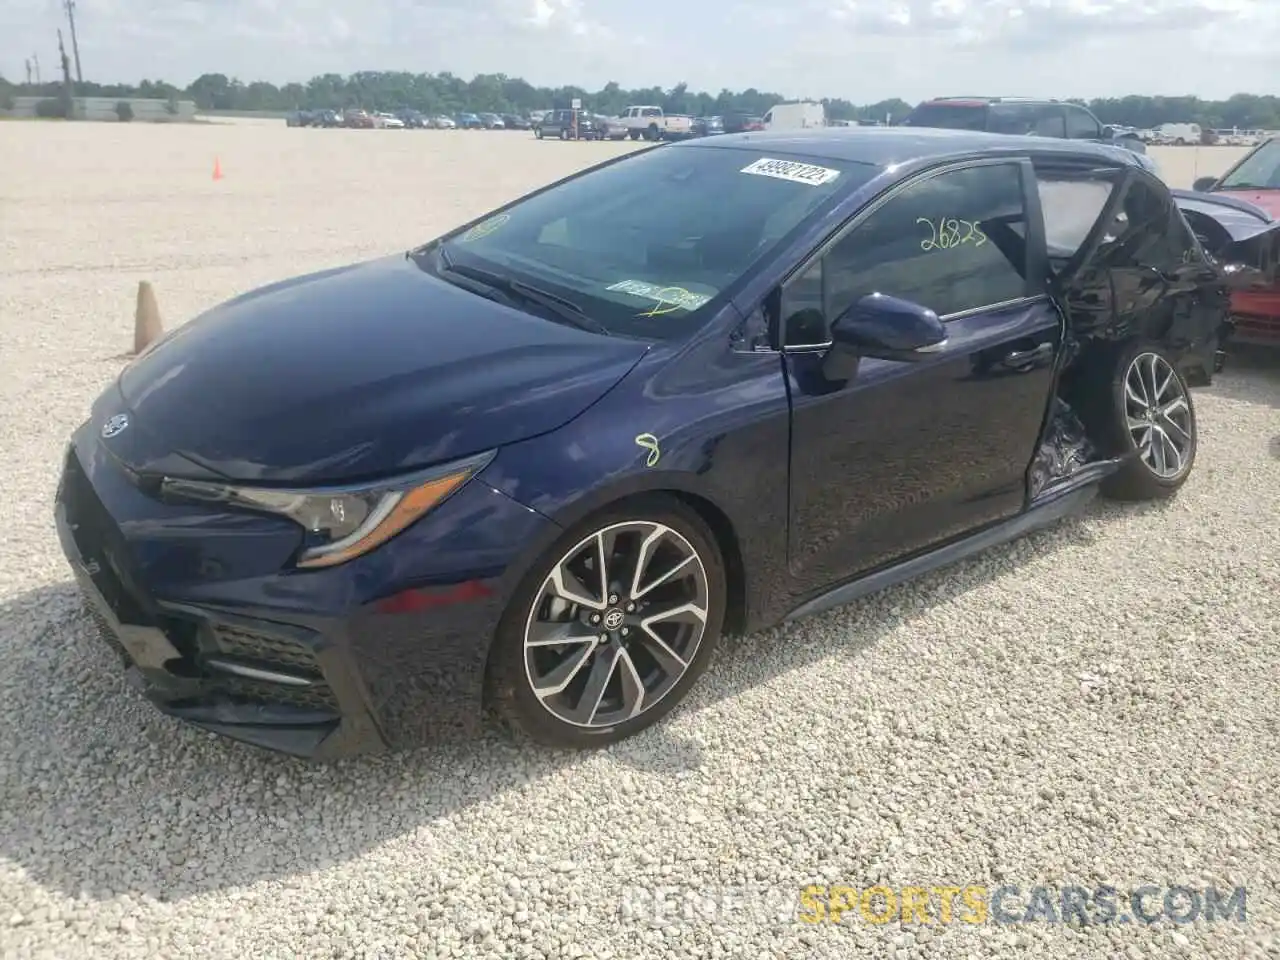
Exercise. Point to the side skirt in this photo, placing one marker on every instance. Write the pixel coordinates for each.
(1055, 503)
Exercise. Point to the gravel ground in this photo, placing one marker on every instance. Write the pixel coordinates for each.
(1097, 704)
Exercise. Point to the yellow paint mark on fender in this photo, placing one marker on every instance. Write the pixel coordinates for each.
(649, 442)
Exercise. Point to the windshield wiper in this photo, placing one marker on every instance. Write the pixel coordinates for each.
(563, 309)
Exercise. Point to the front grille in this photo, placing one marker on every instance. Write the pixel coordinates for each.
(246, 690)
(108, 635)
(101, 544)
(1253, 329)
(268, 650)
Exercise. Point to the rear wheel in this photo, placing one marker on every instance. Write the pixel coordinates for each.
(613, 626)
(1151, 412)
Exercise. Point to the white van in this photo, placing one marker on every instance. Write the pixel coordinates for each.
(795, 116)
(1179, 133)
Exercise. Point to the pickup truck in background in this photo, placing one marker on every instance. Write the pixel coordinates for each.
(652, 124)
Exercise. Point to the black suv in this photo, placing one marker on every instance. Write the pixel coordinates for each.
(1022, 116)
(559, 124)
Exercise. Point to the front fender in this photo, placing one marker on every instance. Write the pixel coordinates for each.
(711, 426)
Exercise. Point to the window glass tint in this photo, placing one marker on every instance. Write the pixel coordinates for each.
(1028, 119)
(1261, 171)
(1071, 208)
(948, 116)
(952, 243)
(1147, 231)
(1081, 125)
(643, 244)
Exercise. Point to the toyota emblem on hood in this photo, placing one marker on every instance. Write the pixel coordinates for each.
(115, 426)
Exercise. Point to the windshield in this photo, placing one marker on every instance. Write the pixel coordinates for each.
(948, 116)
(1260, 171)
(644, 245)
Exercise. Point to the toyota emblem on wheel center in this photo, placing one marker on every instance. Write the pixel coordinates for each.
(115, 426)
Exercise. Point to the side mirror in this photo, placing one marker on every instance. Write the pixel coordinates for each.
(888, 328)
(1204, 184)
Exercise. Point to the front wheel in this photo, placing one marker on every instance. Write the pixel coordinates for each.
(1151, 412)
(537, 133)
(613, 626)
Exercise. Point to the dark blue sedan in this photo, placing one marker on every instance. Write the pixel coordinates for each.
(545, 462)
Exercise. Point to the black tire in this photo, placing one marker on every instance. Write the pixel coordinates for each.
(634, 134)
(537, 133)
(1139, 479)
(510, 688)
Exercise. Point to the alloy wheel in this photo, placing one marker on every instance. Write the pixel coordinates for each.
(616, 624)
(1158, 415)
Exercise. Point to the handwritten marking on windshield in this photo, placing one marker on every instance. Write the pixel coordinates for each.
(947, 232)
(649, 442)
(484, 228)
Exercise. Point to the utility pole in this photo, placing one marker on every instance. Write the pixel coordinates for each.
(67, 92)
(28, 63)
(75, 44)
(35, 59)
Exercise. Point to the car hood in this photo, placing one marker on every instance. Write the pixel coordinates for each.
(354, 373)
(1268, 200)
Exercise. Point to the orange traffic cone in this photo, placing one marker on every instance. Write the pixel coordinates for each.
(217, 169)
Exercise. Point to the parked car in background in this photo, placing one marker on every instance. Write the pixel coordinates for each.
(359, 119)
(742, 123)
(652, 123)
(469, 121)
(327, 118)
(491, 121)
(412, 119)
(568, 445)
(611, 128)
(568, 125)
(443, 123)
(299, 118)
(389, 121)
(1250, 192)
(1021, 116)
(707, 126)
(514, 121)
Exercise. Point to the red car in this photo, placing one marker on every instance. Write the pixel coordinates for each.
(1251, 192)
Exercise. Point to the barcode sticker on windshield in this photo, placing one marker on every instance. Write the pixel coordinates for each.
(791, 170)
(676, 297)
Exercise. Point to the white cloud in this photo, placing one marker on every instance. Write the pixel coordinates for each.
(864, 50)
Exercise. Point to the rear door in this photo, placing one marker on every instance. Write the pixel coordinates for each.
(1143, 273)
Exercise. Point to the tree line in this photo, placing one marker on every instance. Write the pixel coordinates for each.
(498, 93)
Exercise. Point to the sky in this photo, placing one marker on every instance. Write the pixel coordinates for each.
(862, 50)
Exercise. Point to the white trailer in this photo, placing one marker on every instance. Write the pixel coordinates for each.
(795, 116)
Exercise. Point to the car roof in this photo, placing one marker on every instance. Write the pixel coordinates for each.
(882, 146)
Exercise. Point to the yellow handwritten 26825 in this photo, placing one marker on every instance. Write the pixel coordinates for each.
(948, 232)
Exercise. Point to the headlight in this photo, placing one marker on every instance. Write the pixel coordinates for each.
(342, 523)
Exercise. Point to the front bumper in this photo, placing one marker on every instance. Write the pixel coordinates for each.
(387, 651)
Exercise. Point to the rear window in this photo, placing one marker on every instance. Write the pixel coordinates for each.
(645, 244)
(949, 116)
